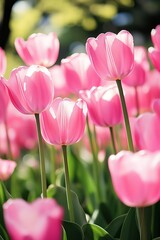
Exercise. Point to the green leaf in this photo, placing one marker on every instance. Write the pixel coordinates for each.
(157, 238)
(73, 231)
(95, 232)
(130, 228)
(64, 235)
(114, 228)
(101, 216)
(156, 219)
(59, 193)
(3, 233)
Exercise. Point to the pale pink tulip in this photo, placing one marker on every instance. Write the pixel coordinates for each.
(104, 105)
(79, 72)
(61, 89)
(3, 61)
(64, 122)
(147, 131)
(39, 220)
(40, 49)
(136, 177)
(30, 89)
(6, 169)
(111, 55)
(137, 76)
(4, 100)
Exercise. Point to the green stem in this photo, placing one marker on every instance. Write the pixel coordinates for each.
(144, 228)
(8, 141)
(96, 171)
(42, 161)
(125, 115)
(113, 140)
(52, 164)
(67, 181)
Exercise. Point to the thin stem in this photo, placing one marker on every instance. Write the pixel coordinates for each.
(125, 115)
(96, 170)
(144, 229)
(8, 141)
(52, 156)
(113, 140)
(67, 181)
(41, 156)
(137, 101)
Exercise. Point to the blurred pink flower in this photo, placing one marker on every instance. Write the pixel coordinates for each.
(6, 169)
(147, 131)
(39, 220)
(104, 106)
(111, 55)
(79, 73)
(3, 61)
(155, 35)
(30, 89)
(61, 89)
(64, 122)
(40, 49)
(136, 177)
(4, 100)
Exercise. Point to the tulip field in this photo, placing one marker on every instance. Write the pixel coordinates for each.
(80, 140)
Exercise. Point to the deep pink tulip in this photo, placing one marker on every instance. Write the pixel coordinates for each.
(61, 89)
(136, 177)
(6, 169)
(79, 72)
(154, 55)
(64, 122)
(39, 220)
(104, 105)
(3, 61)
(30, 89)
(39, 49)
(4, 100)
(111, 55)
(147, 131)
(155, 35)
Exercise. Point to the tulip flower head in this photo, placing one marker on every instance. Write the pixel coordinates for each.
(6, 169)
(3, 61)
(111, 55)
(39, 49)
(136, 177)
(64, 122)
(104, 105)
(79, 73)
(38, 220)
(30, 89)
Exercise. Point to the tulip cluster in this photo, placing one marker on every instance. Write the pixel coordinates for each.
(108, 100)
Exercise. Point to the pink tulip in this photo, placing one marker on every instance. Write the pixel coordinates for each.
(3, 61)
(39, 49)
(64, 122)
(30, 89)
(155, 35)
(136, 177)
(6, 169)
(61, 89)
(137, 76)
(154, 55)
(147, 131)
(39, 220)
(104, 105)
(79, 73)
(111, 55)
(4, 100)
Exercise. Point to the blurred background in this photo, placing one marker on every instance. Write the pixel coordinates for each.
(74, 21)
